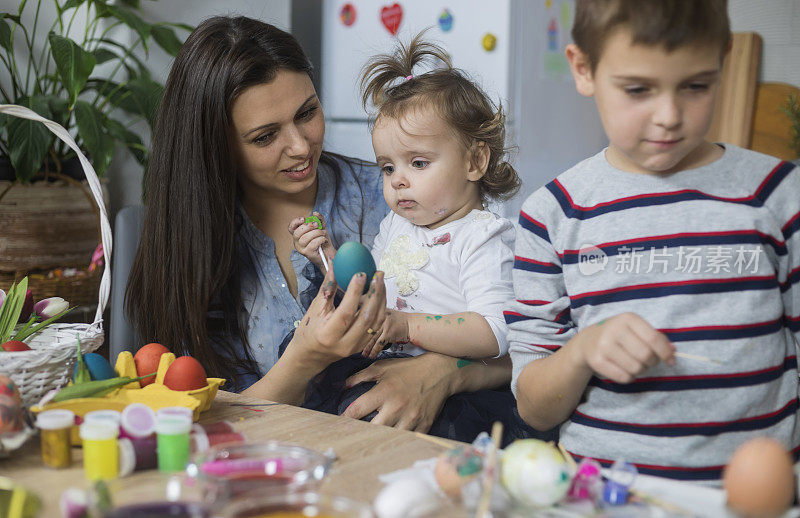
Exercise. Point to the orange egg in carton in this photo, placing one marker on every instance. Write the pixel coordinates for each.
(156, 395)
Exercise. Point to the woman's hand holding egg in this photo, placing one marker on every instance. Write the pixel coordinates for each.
(329, 333)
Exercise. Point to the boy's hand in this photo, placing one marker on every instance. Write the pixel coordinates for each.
(309, 237)
(622, 347)
(395, 330)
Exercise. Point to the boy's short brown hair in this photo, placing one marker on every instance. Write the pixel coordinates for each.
(668, 23)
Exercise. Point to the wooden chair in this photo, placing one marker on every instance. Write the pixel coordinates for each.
(772, 129)
(733, 114)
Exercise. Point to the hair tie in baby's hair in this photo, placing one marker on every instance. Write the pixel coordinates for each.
(409, 77)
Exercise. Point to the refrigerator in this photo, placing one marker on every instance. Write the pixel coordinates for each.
(514, 49)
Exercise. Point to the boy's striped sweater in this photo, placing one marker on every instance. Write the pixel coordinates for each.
(709, 256)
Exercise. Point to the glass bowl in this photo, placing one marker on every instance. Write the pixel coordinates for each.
(297, 505)
(227, 471)
(147, 495)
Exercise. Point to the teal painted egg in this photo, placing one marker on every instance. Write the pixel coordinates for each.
(99, 368)
(350, 259)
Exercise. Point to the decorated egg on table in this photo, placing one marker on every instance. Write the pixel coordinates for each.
(10, 414)
(456, 467)
(535, 473)
(350, 259)
(759, 479)
(9, 388)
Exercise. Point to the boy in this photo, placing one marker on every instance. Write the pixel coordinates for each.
(656, 282)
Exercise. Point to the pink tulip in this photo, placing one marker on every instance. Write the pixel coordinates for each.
(51, 307)
(27, 307)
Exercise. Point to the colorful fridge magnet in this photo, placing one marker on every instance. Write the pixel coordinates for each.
(391, 17)
(489, 42)
(347, 14)
(446, 20)
(552, 35)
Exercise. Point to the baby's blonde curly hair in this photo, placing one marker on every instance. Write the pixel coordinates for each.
(460, 103)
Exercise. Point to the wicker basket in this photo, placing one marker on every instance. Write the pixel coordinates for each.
(50, 361)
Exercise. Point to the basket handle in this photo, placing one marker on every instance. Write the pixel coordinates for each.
(94, 184)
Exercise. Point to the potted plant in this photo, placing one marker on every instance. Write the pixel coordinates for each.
(93, 84)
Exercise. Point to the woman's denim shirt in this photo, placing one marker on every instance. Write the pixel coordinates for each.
(351, 203)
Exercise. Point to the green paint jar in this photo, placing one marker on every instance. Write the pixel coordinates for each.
(172, 446)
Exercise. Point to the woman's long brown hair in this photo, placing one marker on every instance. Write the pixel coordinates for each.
(184, 289)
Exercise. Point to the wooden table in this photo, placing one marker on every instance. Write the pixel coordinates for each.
(364, 450)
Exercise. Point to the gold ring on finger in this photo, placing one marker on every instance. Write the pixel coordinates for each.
(370, 331)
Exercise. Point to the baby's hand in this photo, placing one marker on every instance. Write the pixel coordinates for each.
(622, 347)
(395, 330)
(309, 237)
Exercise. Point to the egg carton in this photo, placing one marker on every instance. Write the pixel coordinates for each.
(155, 395)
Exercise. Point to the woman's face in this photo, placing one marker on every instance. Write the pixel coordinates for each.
(277, 135)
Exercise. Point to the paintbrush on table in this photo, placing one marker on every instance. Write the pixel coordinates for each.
(489, 468)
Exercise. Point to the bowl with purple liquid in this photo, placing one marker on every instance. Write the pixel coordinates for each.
(228, 471)
(150, 495)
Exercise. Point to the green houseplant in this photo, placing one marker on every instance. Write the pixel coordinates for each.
(66, 60)
(61, 78)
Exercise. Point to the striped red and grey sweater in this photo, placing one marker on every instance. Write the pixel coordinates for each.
(710, 257)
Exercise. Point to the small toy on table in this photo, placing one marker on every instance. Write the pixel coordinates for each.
(618, 481)
(588, 481)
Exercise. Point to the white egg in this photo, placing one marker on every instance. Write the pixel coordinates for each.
(535, 473)
(406, 498)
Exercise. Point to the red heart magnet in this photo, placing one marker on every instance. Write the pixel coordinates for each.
(391, 16)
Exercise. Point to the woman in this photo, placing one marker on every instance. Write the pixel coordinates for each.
(237, 154)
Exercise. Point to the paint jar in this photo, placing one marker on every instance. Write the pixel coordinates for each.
(213, 428)
(202, 441)
(110, 416)
(56, 447)
(137, 454)
(179, 411)
(172, 433)
(138, 421)
(100, 450)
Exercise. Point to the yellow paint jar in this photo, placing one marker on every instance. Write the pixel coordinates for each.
(100, 451)
(55, 426)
